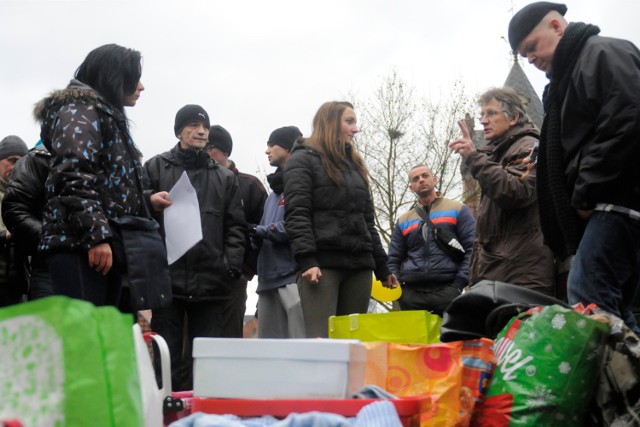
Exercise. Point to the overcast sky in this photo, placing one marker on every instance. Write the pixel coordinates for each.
(258, 65)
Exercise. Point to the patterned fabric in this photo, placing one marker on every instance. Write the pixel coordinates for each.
(93, 173)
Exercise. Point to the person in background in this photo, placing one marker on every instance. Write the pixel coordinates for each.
(279, 308)
(203, 277)
(22, 209)
(13, 285)
(588, 182)
(509, 245)
(329, 219)
(431, 278)
(95, 172)
(252, 196)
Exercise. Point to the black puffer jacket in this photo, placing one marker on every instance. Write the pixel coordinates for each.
(202, 273)
(25, 199)
(330, 226)
(93, 169)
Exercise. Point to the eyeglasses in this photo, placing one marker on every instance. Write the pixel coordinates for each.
(489, 114)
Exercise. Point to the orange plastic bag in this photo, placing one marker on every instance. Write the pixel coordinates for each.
(453, 375)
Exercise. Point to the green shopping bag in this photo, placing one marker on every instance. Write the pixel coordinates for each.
(402, 327)
(65, 362)
(547, 369)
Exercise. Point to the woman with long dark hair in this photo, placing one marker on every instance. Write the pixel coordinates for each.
(95, 172)
(330, 221)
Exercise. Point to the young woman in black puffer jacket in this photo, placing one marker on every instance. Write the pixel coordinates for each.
(330, 221)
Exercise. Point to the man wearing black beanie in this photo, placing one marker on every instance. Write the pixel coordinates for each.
(253, 196)
(13, 284)
(202, 278)
(279, 308)
(588, 182)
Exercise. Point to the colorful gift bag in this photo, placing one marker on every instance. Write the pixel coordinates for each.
(547, 367)
(453, 375)
(404, 327)
(64, 362)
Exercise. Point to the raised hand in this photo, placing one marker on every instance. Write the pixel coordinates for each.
(463, 145)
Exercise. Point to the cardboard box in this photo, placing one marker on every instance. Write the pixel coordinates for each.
(277, 368)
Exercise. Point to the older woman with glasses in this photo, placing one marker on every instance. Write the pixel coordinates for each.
(509, 245)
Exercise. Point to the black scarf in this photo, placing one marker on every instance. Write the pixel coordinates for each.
(276, 181)
(560, 225)
(192, 159)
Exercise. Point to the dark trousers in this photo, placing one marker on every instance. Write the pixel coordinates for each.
(40, 285)
(337, 293)
(72, 276)
(234, 310)
(203, 319)
(435, 300)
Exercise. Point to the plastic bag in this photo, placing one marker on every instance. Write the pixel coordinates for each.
(546, 371)
(453, 375)
(411, 326)
(66, 362)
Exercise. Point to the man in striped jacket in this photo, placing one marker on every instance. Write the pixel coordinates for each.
(431, 277)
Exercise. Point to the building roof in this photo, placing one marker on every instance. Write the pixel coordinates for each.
(519, 81)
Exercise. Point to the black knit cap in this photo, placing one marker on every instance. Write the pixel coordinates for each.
(12, 146)
(220, 138)
(188, 114)
(528, 17)
(284, 137)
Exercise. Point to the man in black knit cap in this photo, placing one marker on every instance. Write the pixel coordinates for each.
(201, 278)
(587, 178)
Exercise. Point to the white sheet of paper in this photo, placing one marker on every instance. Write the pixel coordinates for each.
(182, 225)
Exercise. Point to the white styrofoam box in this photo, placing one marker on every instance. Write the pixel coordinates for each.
(277, 368)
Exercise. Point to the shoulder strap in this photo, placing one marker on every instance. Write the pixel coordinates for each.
(424, 216)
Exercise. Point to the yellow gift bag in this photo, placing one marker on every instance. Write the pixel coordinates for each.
(404, 327)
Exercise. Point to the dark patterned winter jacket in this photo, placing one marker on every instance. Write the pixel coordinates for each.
(93, 168)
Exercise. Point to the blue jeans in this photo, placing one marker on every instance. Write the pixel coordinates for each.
(606, 268)
(72, 276)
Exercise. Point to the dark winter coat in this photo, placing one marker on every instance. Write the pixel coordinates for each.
(25, 199)
(94, 168)
(601, 125)
(13, 283)
(422, 264)
(276, 267)
(202, 273)
(330, 226)
(252, 197)
(509, 244)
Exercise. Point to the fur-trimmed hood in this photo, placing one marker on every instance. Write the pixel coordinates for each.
(46, 110)
(75, 91)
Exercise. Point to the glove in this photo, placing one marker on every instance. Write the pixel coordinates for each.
(251, 229)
